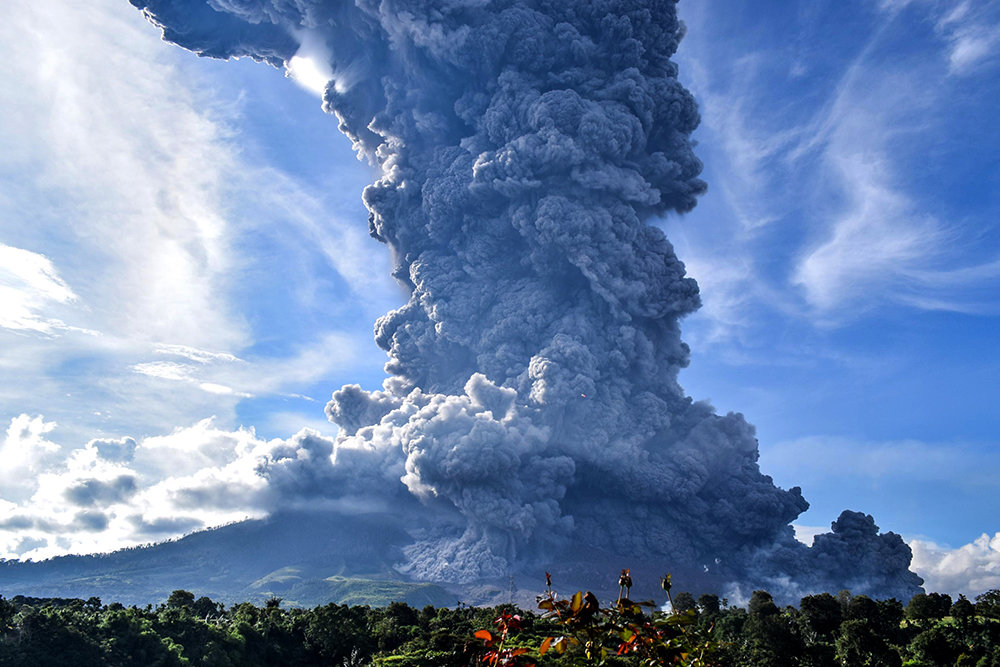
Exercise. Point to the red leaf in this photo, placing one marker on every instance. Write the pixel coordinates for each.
(545, 646)
(484, 635)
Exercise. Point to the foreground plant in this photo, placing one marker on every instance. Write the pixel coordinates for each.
(595, 634)
(498, 654)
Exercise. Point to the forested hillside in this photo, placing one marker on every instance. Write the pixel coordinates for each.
(824, 629)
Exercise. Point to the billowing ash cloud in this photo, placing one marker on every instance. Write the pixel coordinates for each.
(533, 395)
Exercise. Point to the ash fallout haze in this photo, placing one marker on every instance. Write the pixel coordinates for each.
(526, 162)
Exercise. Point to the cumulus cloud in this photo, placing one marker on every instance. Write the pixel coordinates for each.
(120, 449)
(969, 569)
(88, 492)
(112, 493)
(533, 395)
(25, 452)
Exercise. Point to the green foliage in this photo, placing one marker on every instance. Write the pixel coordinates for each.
(859, 643)
(821, 614)
(936, 645)
(684, 602)
(962, 610)
(708, 605)
(928, 606)
(761, 604)
(824, 631)
(180, 600)
(988, 603)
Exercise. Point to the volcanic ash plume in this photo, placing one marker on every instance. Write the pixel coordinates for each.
(532, 399)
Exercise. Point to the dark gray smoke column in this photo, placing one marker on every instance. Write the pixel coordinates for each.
(533, 391)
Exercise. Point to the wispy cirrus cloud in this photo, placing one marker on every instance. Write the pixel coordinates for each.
(115, 214)
(880, 246)
(972, 30)
(29, 286)
(820, 211)
(226, 374)
(139, 186)
(140, 209)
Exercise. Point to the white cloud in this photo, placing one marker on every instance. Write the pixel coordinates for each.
(112, 494)
(875, 243)
(36, 272)
(749, 143)
(970, 569)
(188, 450)
(194, 354)
(868, 233)
(972, 30)
(24, 453)
(815, 213)
(166, 370)
(134, 207)
(227, 375)
(222, 389)
(29, 283)
(114, 217)
(805, 534)
(140, 181)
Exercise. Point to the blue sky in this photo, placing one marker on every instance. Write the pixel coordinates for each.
(186, 275)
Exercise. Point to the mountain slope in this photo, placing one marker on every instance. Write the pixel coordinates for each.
(306, 558)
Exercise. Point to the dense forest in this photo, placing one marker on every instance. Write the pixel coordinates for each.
(842, 629)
